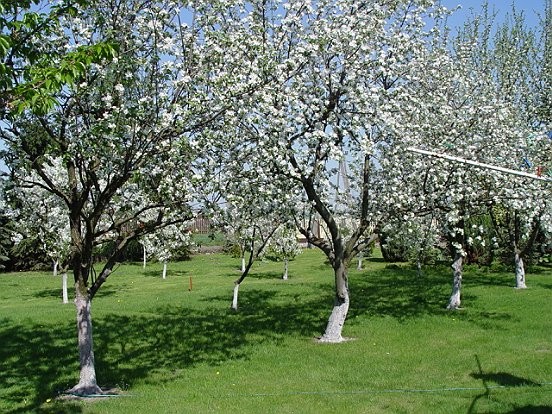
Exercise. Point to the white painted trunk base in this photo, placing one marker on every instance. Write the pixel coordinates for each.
(520, 272)
(165, 269)
(235, 296)
(286, 266)
(359, 261)
(243, 264)
(87, 383)
(457, 265)
(64, 287)
(334, 328)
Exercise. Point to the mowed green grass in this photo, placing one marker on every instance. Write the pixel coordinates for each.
(169, 349)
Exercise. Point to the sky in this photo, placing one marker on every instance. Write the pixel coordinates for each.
(531, 8)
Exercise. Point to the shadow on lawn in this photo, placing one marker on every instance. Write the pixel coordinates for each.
(398, 292)
(272, 275)
(158, 273)
(36, 360)
(178, 337)
(504, 379)
(42, 360)
(107, 290)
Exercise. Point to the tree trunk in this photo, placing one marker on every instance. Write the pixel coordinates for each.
(359, 262)
(64, 287)
(165, 269)
(337, 318)
(419, 267)
(243, 264)
(454, 302)
(87, 384)
(55, 272)
(520, 271)
(235, 297)
(286, 265)
(145, 257)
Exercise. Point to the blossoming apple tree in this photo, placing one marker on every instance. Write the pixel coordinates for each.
(454, 107)
(165, 242)
(284, 246)
(119, 128)
(335, 75)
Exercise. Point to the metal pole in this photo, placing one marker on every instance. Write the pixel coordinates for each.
(478, 164)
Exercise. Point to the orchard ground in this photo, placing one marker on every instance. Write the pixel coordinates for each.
(165, 348)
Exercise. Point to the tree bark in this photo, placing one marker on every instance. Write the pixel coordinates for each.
(164, 269)
(457, 265)
(87, 383)
(55, 272)
(336, 321)
(359, 261)
(520, 271)
(64, 287)
(243, 264)
(286, 265)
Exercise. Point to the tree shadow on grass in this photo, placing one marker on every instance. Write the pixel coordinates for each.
(39, 361)
(532, 409)
(544, 284)
(36, 360)
(57, 293)
(504, 379)
(179, 337)
(49, 293)
(400, 293)
(397, 292)
(375, 260)
(159, 273)
(271, 275)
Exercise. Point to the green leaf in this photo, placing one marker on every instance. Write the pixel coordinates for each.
(5, 44)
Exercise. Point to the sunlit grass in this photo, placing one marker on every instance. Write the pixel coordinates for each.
(170, 349)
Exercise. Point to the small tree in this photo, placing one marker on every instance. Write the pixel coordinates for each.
(41, 215)
(284, 246)
(166, 242)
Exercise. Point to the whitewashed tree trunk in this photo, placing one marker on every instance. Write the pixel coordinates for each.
(359, 262)
(87, 383)
(334, 328)
(337, 318)
(520, 271)
(454, 302)
(235, 297)
(243, 264)
(286, 267)
(56, 263)
(164, 269)
(64, 287)
(144, 257)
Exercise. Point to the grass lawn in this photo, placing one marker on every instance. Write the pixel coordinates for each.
(169, 349)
